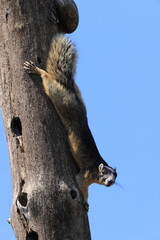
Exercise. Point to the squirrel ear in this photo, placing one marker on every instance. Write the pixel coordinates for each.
(100, 167)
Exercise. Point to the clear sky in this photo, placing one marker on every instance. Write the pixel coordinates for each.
(119, 75)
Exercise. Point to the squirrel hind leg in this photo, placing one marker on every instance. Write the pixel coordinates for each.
(30, 67)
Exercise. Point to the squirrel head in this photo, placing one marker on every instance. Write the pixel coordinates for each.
(106, 175)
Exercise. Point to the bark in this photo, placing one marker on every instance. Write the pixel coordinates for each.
(46, 202)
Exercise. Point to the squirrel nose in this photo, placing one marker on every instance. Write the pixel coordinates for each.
(109, 183)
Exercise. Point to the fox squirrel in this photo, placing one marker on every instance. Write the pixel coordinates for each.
(59, 85)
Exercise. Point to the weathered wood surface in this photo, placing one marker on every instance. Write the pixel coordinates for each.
(46, 201)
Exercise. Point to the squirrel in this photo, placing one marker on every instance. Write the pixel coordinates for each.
(59, 85)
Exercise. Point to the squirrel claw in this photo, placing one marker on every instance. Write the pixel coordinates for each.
(30, 67)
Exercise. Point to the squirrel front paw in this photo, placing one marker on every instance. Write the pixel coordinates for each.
(30, 67)
(86, 205)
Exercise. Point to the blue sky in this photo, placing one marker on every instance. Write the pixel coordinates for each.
(118, 73)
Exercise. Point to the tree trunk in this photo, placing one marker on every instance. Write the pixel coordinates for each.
(47, 203)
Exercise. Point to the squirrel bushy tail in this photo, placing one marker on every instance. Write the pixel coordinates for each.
(62, 59)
